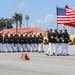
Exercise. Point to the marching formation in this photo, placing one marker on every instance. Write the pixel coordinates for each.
(58, 38)
(22, 43)
(34, 43)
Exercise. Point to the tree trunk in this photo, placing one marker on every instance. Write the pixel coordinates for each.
(16, 28)
(20, 25)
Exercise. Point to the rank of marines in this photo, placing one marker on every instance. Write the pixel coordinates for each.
(33, 42)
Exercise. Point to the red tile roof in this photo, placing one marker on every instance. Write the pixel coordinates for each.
(22, 30)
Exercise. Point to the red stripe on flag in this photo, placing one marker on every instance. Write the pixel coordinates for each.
(69, 19)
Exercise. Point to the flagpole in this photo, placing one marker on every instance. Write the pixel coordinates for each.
(57, 26)
(64, 27)
(72, 30)
(56, 14)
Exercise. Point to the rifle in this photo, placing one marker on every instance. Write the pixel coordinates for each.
(47, 30)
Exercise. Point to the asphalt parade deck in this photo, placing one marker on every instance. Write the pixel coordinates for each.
(39, 63)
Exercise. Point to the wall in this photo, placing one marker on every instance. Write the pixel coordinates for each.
(72, 37)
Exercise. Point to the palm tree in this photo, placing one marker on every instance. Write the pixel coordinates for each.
(2, 23)
(27, 18)
(9, 22)
(20, 20)
(5, 23)
(16, 19)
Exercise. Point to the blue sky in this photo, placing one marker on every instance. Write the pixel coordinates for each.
(42, 13)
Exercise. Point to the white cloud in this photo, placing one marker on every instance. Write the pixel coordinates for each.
(46, 20)
(21, 5)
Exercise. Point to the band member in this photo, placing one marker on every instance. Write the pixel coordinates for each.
(9, 44)
(56, 41)
(21, 42)
(35, 43)
(28, 44)
(66, 38)
(40, 43)
(61, 38)
(1, 42)
(16, 41)
(26, 39)
(12, 41)
(31, 39)
(25, 43)
(50, 40)
(5, 43)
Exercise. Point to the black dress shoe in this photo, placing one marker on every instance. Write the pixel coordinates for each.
(36, 50)
(47, 54)
(58, 55)
(39, 51)
(42, 51)
(67, 54)
(53, 53)
(8, 51)
(18, 51)
(23, 51)
(28, 51)
(3, 51)
(63, 54)
(33, 51)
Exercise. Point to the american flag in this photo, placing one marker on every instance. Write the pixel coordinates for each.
(66, 16)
